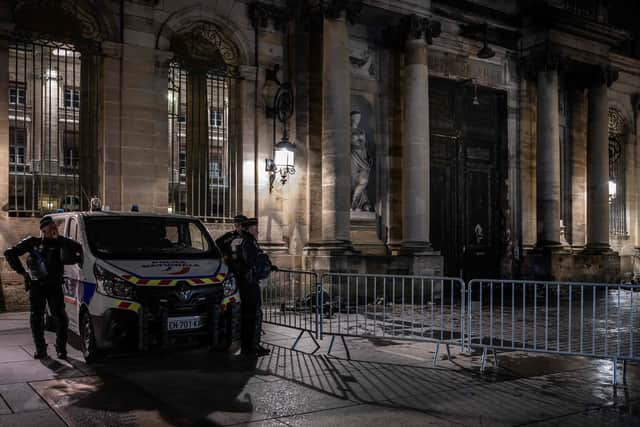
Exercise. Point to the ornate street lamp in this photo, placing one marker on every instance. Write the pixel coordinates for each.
(278, 99)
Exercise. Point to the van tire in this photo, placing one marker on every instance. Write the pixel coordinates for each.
(88, 340)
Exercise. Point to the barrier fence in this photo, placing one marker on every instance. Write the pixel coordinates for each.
(583, 319)
(291, 298)
(402, 307)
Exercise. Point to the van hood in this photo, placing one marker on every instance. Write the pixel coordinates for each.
(170, 272)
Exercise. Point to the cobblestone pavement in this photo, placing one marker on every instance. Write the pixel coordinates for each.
(386, 382)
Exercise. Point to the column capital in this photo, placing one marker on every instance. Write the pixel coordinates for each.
(411, 28)
(582, 75)
(416, 27)
(548, 60)
(261, 14)
(331, 9)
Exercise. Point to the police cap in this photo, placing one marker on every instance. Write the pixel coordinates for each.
(250, 221)
(239, 219)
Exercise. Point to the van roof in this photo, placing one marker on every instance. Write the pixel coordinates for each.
(119, 213)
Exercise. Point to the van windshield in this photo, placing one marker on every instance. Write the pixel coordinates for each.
(140, 237)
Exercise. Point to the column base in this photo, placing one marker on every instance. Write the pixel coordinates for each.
(597, 249)
(415, 248)
(564, 266)
(548, 245)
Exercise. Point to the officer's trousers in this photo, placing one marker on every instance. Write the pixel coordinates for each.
(40, 295)
(251, 302)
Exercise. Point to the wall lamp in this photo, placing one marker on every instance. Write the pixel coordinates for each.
(486, 52)
(278, 101)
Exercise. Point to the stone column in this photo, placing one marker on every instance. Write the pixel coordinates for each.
(548, 159)
(336, 145)
(90, 147)
(415, 150)
(4, 126)
(197, 143)
(578, 105)
(598, 161)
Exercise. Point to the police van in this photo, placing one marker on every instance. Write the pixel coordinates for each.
(146, 281)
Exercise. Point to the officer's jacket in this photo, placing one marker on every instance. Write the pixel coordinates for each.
(248, 262)
(47, 257)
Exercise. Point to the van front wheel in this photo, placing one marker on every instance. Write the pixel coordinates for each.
(88, 340)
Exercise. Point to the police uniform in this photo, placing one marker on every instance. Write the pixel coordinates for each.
(224, 242)
(250, 265)
(46, 268)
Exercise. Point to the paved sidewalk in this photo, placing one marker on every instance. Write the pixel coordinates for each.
(386, 383)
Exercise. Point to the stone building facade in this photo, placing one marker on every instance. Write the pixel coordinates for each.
(456, 137)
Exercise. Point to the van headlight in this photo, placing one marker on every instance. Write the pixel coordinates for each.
(229, 286)
(112, 285)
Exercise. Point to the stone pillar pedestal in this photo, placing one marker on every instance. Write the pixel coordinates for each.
(548, 160)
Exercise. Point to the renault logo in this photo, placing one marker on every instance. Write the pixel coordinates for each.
(184, 292)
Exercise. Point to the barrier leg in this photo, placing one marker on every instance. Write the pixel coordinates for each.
(448, 353)
(484, 359)
(624, 372)
(293, 347)
(344, 344)
(495, 357)
(435, 356)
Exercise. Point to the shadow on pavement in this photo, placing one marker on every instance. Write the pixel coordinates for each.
(175, 388)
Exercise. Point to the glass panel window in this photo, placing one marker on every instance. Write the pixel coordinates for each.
(71, 154)
(71, 98)
(18, 94)
(17, 146)
(215, 118)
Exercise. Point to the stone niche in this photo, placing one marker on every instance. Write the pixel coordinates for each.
(365, 173)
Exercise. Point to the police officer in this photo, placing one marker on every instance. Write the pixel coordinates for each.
(250, 265)
(224, 242)
(47, 256)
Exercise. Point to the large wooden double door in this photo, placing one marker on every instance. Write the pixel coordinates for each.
(468, 177)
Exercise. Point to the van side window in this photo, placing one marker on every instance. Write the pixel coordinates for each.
(197, 239)
(73, 229)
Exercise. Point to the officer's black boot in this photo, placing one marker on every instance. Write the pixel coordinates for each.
(37, 331)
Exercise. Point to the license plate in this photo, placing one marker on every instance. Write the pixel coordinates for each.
(182, 323)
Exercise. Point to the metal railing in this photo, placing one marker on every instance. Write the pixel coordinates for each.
(416, 308)
(292, 298)
(583, 319)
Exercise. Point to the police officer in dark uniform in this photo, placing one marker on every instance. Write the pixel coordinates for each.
(47, 256)
(250, 265)
(224, 242)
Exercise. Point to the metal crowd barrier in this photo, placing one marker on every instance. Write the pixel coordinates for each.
(393, 306)
(291, 298)
(583, 319)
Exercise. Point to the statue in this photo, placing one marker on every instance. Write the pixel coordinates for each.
(361, 165)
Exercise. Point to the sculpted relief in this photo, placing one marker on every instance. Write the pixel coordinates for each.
(361, 166)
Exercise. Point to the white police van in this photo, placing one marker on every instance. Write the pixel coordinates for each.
(146, 281)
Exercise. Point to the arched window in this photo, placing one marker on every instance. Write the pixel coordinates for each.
(204, 168)
(617, 174)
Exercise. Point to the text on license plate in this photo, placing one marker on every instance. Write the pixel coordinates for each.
(181, 323)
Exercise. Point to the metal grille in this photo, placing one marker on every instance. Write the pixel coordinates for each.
(44, 113)
(617, 204)
(203, 175)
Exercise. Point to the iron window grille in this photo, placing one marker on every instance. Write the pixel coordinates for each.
(220, 199)
(43, 169)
